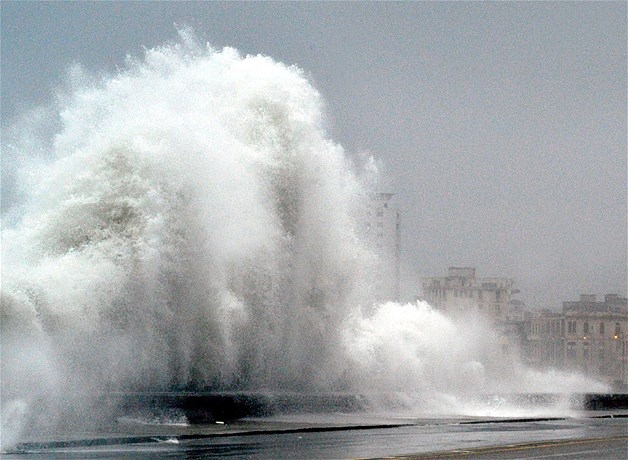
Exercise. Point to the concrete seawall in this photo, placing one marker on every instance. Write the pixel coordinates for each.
(207, 407)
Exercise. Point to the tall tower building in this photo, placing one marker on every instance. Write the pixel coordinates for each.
(381, 231)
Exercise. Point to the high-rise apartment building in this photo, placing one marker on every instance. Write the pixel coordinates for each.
(380, 228)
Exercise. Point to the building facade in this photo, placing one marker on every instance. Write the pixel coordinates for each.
(380, 224)
(461, 291)
(588, 336)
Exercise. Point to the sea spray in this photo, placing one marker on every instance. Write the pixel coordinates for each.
(412, 359)
(190, 225)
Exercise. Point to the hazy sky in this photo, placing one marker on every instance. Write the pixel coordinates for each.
(500, 126)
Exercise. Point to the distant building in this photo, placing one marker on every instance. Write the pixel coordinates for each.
(461, 291)
(381, 230)
(588, 336)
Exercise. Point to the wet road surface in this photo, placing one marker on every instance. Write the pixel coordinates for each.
(590, 449)
(341, 438)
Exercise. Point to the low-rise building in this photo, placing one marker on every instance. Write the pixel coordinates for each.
(461, 291)
(587, 336)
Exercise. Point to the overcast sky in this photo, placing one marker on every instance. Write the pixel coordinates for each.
(501, 127)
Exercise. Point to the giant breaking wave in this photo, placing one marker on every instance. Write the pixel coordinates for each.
(190, 225)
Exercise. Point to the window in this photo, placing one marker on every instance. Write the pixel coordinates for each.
(585, 329)
(601, 328)
(571, 350)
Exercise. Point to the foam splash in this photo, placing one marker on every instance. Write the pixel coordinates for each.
(190, 225)
(413, 359)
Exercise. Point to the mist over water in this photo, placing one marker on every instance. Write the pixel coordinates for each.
(189, 225)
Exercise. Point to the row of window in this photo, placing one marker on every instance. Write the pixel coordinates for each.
(553, 327)
(555, 351)
(465, 293)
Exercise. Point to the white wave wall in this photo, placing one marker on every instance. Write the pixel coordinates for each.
(190, 225)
